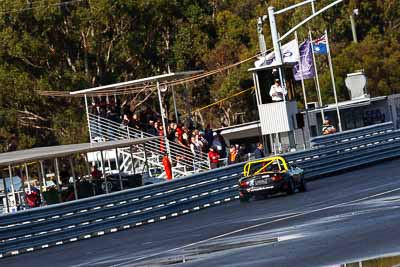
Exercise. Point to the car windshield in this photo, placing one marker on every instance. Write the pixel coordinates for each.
(264, 166)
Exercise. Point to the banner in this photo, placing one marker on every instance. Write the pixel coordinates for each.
(307, 65)
(290, 54)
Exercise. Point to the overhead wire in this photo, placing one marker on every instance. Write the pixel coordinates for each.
(18, 10)
(224, 99)
(132, 89)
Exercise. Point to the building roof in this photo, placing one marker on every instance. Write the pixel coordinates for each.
(239, 127)
(129, 84)
(350, 103)
(51, 152)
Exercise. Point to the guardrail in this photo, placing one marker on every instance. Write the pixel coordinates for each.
(68, 222)
(355, 133)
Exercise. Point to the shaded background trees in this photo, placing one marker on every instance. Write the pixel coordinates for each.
(70, 45)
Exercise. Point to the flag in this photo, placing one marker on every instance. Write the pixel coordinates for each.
(307, 65)
(320, 45)
(290, 54)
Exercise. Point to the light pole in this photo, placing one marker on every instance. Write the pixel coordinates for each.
(353, 25)
(274, 35)
(276, 39)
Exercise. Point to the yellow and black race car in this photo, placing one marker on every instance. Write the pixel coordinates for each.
(268, 176)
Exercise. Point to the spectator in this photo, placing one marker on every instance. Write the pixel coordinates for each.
(223, 143)
(242, 154)
(161, 134)
(167, 167)
(95, 107)
(259, 152)
(171, 132)
(112, 114)
(151, 129)
(64, 176)
(185, 137)
(96, 174)
(219, 143)
(232, 155)
(203, 141)
(33, 197)
(125, 120)
(196, 146)
(276, 92)
(135, 122)
(179, 131)
(327, 127)
(213, 156)
(208, 134)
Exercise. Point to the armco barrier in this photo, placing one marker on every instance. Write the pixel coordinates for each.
(58, 210)
(342, 146)
(63, 223)
(136, 207)
(355, 133)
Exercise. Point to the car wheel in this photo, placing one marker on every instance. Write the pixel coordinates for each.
(244, 197)
(290, 189)
(303, 185)
(108, 185)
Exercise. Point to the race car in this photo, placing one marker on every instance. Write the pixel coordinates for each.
(271, 175)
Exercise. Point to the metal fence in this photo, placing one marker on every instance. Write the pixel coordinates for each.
(105, 129)
(68, 222)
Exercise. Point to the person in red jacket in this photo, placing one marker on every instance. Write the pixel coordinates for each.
(213, 156)
(167, 167)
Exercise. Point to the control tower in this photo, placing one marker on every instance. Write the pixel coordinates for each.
(277, 118)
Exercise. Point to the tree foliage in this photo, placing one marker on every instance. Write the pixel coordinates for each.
(48, 45)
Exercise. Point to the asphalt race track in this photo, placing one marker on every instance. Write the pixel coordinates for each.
(350, 216)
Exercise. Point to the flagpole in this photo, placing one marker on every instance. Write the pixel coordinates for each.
(316, 76)
(303, 87)
(333, 80)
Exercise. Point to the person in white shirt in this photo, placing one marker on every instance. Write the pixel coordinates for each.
(277, 92)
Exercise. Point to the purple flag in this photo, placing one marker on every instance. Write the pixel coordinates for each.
(306, 62)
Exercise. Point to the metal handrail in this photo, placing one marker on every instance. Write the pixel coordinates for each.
(112, 130)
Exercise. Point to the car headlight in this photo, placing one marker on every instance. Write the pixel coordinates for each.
(251, 183)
